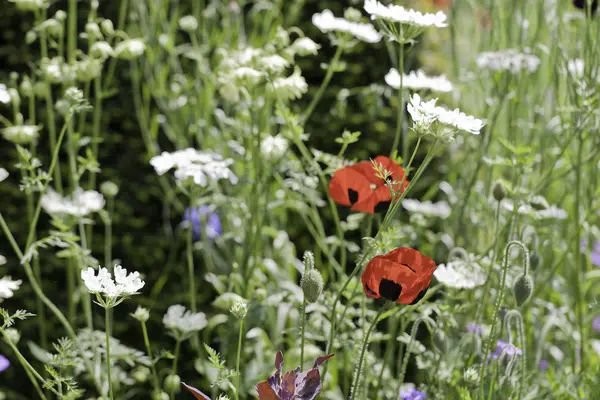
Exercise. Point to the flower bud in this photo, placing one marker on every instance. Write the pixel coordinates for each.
(239, 309)
(172, 384)
(40, 89)
(312, 285)
(88, 69)
(539, 203)
(352, 14)
(440, 341)
(29, 5)
(130, 49)
(26, 87)
(160, 396)
(309, 261)
(523, 288)
(30, 37)
(109, 189)
(471, 376)
(60, 15)
(499, 190)
(101, 50)
(141, 374)
(188, 23)
(53, 27)
(535, 259)
(13, 335)
(107, 27)
(93, 31)
(141, 314)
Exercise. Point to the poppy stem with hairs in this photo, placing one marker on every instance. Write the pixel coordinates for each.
(355, 385)
(400, 109)
(303, 330)
(237, 361)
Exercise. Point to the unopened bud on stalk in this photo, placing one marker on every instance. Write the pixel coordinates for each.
(141, 374)
(499, 190)
(239, 309)
(312, 285)
(471, 376)
(107, 27)
(535, 259)
(188, 23)
(440, 341)
(160, 396)
(172, 384)
(523, 288)
(109, 189)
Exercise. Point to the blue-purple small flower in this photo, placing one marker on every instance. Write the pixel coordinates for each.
(504, 349)
(409, 392)
(4, 363)
(596, 323)
(544, 364)
(196, 215)
(472, 327)
(594, 254)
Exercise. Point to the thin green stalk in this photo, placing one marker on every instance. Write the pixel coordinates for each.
(174, 367)
(579, 269)
(365, 344)
(400, 109)
(413, 334)
(237, 360)
(107, 330)
(155, 382)
(324, 84)
(302, 332)
(190, 264)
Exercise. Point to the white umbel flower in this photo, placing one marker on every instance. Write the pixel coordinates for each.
(3, 174)
(425, 113)
(327, 22)
(305, 46)
(417, 80)
(399, 14)
(440, 209)
(460, 274)
(80, 204)
(123, 285)
(508, 60)
(274, 63)
(201, 167)
(274, 147)
(8, 287)
(459, 120)
(247, 75)
(21, 134)
(292, 87)
(5, 95)
(184, 321)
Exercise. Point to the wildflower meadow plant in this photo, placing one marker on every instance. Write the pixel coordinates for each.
(400, 197)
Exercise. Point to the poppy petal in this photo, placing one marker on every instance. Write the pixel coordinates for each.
(197, 394)
(265, 392)
(347, 187)
(378, 200)
(321, 360)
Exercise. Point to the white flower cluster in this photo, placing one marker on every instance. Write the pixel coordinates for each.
(425, 113)
(79, 204)
(327, 22)
(8, 287)
(3, 174)
(274, 147)
(184, 321)
(417, 80)
(201, 167)
(394, 13)
(4, 94)
(289, 88)
(130, 49)
(21, 134)
(440, 209)
(305, 46)
(508, 60)
(123, 285)
(461, 274)
(549, 212)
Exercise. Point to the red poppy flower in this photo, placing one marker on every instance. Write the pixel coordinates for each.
(403, 275)
(197, 394)
(358, 187)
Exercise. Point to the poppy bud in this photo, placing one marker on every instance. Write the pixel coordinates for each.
(172, 384)
(440, 341)
(499, 190)
(535, 259)
(312, 285)
(523, 288)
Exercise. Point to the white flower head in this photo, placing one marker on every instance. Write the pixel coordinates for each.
(394, 13)
(274, 63)
(21, 134)
(123, 285)
(274, 147)
(327, 22)
(198, 166)
(508, 60)
(459, 120)
(289, 88)
(440, 209)
(184, 321)
(417, 80)
(8, 287)
(305, 46)
(461, 274)
(3, 174)
(80, 204)
(247, 75)
(4, 94)
(2, 260)
(130, 49)
(424, 114)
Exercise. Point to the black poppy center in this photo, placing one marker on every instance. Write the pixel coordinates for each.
(353, 196)
(369, 290)
(422, 294)
(389, 290)
(382, 206)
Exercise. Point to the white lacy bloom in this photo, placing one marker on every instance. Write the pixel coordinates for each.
(184, 321)
(425, 113)
(274, 63)
(394, 13)
(422, 113)
(123, 285)
(417, 80)
(305, 46)
(327, 22)
(273, 147)
(79, 204)
(508, 60)
(289, 88)
(440, 209)
(461, 274)
(21, 134)
(3, 174)
(2, 260)
(200, 166)
(247, 75)
(576, 67)
(130, 49)
(5, 95)
(552, 212)
(8, 287)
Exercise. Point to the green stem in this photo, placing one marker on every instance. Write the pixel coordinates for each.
(237, 360)
(302, 330)
(413, 334)
(355, 385)
(107, 330)
(174, 367)
(400, 109)
(579, 268)
(324, 84)
(155, 382)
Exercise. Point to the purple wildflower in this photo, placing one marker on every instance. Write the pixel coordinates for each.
(4, 363)
(506, 349)
(544, 365)
(474, 328)
(195, 215)
(596, 323)
(594, 254)
(409, 392)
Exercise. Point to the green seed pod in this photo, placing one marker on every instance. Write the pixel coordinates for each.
(499, 190)
(141, 374)
(160, 396)
(172, 384)
(523, 288)
(312, 285)
(109, 189)
(440, 341)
